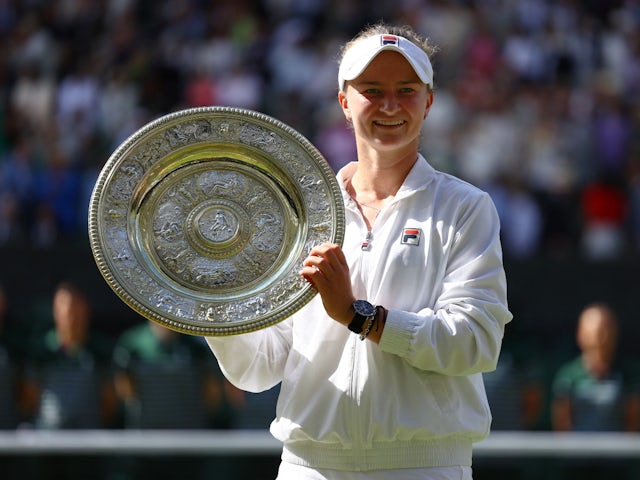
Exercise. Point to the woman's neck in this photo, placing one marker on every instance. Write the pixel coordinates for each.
(379, 176)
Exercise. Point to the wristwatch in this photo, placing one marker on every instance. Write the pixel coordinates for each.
(364, 310)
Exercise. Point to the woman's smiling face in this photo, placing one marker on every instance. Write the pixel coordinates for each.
(387, 103)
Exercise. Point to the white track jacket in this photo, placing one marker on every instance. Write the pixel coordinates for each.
(417, 398)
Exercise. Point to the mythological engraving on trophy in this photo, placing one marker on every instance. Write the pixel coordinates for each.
(184, 133)
(208, 314)
(185, 194)
(218, 313)
(314, 192)
(145, 283)
(249, 259)
(269, 232)
(291, 158)
(175, 305)
(164, 301)
(125, 181)
(175, 257)
(198, 235)
(259, 137)
(283, 291)
(222, 184)
(223, 129)
(260, 197)
(213, 273)
(227, 130)
(217, 225)
(141, 285)
(150, 152)
(217, 228)
(167, 224)
(245, 310)
(117, 239)
(256, 306)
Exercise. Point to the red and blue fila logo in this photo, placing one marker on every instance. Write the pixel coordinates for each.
(411, 236)
(389, 40)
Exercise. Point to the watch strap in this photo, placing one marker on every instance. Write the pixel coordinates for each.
(357, 324)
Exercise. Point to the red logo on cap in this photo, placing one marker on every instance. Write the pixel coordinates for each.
(389, 40)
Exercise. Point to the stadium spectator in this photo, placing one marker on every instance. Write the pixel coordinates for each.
(32, 97)
(596, 391)
(17, 180)
(604, 205)
(69, 368)
(57, 190)
(520, 217)
(68, 383)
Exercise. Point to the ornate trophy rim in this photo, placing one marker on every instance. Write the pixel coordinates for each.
(200, 220)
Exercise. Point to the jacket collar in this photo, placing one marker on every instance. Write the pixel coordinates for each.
(420, 175)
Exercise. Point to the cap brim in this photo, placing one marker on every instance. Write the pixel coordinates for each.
(360, 55)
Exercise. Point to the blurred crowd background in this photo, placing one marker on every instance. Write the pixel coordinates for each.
(537, 102)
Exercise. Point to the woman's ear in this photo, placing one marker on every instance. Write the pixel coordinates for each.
(429, 103)
(342, 99)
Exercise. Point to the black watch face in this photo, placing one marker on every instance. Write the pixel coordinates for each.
(364, 308)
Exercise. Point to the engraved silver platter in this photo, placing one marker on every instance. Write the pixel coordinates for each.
(201, 219)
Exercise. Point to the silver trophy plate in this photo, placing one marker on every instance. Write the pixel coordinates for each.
(201, 219)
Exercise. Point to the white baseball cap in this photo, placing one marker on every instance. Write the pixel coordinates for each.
(361, 53)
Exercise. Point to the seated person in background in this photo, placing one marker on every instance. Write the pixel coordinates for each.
(165, 379)
(68, 377)
(595, 392)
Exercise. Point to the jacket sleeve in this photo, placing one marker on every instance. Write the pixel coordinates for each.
(254, 361)
(462, 333)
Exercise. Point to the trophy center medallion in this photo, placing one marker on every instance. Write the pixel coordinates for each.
(217, 225)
